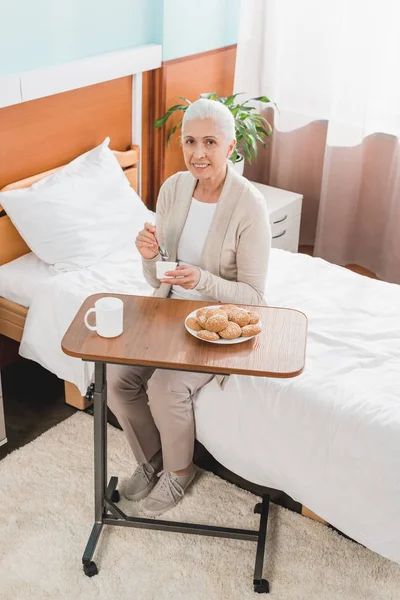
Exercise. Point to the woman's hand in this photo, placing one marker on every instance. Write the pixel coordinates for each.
(184, 275)
(146, 241)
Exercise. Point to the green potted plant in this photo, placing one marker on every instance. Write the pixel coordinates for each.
(251, 128)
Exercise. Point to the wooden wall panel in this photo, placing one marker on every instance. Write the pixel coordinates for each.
(42, 134)
(153, 103)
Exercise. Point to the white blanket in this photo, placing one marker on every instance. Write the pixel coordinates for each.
(57, 301)
(330, 438)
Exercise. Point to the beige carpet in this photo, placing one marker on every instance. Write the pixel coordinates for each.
(46, 516)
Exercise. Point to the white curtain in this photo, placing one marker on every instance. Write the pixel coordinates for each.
(332, 67)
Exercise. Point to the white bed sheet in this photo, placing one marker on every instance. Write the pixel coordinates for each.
(330, 438)
(22, 277)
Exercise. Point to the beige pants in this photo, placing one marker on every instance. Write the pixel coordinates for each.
(154, 408)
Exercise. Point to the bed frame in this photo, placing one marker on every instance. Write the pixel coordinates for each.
(12, 315)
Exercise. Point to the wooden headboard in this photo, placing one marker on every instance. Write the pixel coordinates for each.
(12, 245)
(39, 135)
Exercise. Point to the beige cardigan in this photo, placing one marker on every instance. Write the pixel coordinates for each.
(235, 255)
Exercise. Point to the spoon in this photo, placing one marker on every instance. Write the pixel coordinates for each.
(162, 250)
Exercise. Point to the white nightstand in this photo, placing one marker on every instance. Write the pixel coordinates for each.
(3, 438)
(284, 215)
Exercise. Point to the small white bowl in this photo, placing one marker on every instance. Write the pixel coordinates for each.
(165, 265)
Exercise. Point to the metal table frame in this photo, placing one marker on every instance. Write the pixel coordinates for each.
(106, 496)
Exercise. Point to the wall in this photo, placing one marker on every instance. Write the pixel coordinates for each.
(200, 26)
(45, 33)
(40, 33)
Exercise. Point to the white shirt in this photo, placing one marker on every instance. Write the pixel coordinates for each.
(191, 244)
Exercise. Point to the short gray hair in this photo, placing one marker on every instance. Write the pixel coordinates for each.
(211, 109)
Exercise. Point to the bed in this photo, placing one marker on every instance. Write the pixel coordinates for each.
(329, 438)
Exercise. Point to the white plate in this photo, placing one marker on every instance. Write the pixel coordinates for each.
(194, 333)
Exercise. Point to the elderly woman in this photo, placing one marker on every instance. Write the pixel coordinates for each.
(214, 223)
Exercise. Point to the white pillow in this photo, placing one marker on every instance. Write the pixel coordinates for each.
(80, 214)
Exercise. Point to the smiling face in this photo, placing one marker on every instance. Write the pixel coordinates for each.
(205, 148)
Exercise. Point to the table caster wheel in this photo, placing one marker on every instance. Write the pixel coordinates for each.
(115, 496)
(262, 587)
(257, 508)
(90, 569)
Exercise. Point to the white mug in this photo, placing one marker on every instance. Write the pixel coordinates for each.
(109, 313)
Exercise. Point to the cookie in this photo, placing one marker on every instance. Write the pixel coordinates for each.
(254, 318)
(229, 309)
(216, 322)
(248, 330)
(192, 323)
(212, 311)
(231, 332)
(210, 336)
(239, 316)
(201, 316)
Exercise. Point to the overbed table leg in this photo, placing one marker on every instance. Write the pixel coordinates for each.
(100, 466)
(261, 586)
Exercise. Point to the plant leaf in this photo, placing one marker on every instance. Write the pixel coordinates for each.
(175, 127)
(267, 132)
(260, 120)
(230, 99)
(234, 156)
(260, 99)
(264, 124)
(240, 132)
(209, 95)
(160, 122)
(246, 151)
(184, 99)
(245, 108)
